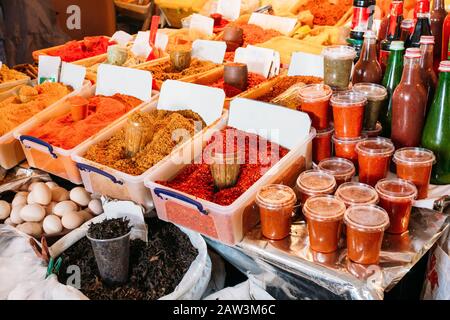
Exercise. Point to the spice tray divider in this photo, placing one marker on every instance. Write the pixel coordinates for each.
(52, 159)
(227, 224)
(11, 153)
(101, 179)
(11, 85)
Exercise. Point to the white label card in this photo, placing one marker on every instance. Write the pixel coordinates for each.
(72, 75)
(122, 38)
(133, 82)
(48, 69)
(202, 24)
(161, 40)
(229, 9)
(141, 46)
(258, 60)
(306, 64)
(206, 50)
(267, 21)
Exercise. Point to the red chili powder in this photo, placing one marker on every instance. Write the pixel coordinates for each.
(77, 50)
(230, 91)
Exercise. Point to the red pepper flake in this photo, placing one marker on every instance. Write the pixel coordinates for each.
(77, 50)
(230, 91)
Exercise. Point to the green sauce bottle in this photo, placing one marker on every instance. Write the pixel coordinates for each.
(391, 80)
(436, 133)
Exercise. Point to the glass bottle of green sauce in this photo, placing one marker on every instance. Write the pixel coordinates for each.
(391, 80)
(436, 133)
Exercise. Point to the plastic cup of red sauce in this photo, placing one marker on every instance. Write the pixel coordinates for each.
(324, 215)
(374, 156)
(397, 197)
(356, 193)
(346, 148)
(276, 205)
(315, 100)
(322, 144)
(314, 182)
(342, 169)
(415, 165)
(348, 113)
(365, 226)
(373, 133)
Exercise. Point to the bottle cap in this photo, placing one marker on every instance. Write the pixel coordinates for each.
(397, 45)
(427, 40)
(444, 66)
(413, 53)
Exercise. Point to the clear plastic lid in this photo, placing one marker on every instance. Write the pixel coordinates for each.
(398, 189)
(348, 140)
(339, 52)
(353, 193)
(315, 181)
(338, 167)
(325, 132)
(414, 157)
(324, 208)
(315, 92)
(366, 218)
(276, 196)
(372, 91)
(348, 99)
(379, 147)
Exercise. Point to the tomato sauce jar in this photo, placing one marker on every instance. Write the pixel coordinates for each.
(276, 205)
(322, 145)
(365, 230)
(324, 215)
(374, 156)
(346, 148)
(314, 182)
(343, 170)
(356, 193)
(348, 113)
(315, 101)
(397, 197)
(373, 133)
(415, 165)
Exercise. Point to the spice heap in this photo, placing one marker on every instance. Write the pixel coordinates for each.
(77, 50)
(7, 74)
(219, 22)
(164, 71)
(286, 83)
(230, 91)
(197, 180)
(325, 12)
(65, 133)
(112, 152)
(156, 267)
(29, 101)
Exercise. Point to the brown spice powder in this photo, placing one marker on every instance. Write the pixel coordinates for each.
(164, 71)
(286, 83)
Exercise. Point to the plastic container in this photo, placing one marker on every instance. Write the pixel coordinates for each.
(276, 206)
(324, 215)
(376, 100)
(55, 160)
(396, 197)
(113, 258)
(341, 169)
(365, 231)
(346, 148)
(315, 101)
(314, 182)
(415, 165)
(338, 63)
(374, 156)
(348, 113)
(322, 145)
(373, 133)
(355, 193)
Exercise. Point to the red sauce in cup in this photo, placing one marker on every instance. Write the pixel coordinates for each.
(322, 145)
(348, 114)
(314, 182)
(343, 170)
(316, 103)
(346, 148)
(356, 193)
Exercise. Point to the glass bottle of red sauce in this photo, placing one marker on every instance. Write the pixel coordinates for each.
(429, 77)
(314, 182)
(324, 215)
(409, 104)
(374, 157)
(397, 197)
(445, 52)
(415, 165)
(437, 17)
(348, 113)
(276, 206)
(322, 145)
(343, 170)
(422, 27)
(367, 69)
(365, 231)
(356, 193)
(315, 101)
(407, 27)
(346, 148)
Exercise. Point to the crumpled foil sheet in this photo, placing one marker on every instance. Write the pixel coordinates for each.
(18, 177)
(290, 267)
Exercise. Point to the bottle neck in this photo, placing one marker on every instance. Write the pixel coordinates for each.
(438, 5)
(369, 50)
(427, 56)
(411, 71)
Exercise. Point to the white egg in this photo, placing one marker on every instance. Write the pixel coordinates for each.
(32, 213)
(52, 185)
(15, 214)
(30, 198)
(72, 220)
(50, 207)
(10, 223)
(52, 224)
(19, 198)
(95, 206)
(33, 229)
(33, 185)
(59, 194)
(65, 207)
(5, 209)
(42, 194)
(86, 215)
(80, 196)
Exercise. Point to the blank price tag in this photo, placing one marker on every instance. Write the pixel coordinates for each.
(72, 75)
(229, 9)
(267, 21)
(48, 69)
(262, 61)
(161, 40)
(122, 38)
(141, 46)
(202, 24)
(306, 64)
(206, 50)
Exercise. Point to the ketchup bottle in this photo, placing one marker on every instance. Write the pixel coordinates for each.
(426, 63)
(437, 17)
(367, 69)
